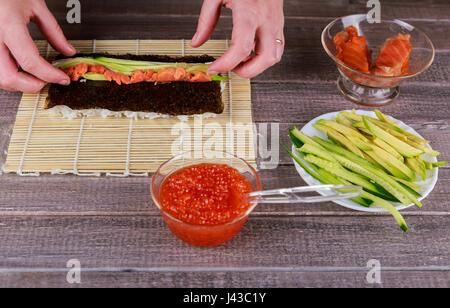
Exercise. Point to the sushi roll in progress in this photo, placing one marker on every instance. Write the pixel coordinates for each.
(130, 85)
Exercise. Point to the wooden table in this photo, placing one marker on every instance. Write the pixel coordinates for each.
(113, 228)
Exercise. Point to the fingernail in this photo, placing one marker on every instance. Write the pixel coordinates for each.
(71, 49)
(64, 82)
(194, 39)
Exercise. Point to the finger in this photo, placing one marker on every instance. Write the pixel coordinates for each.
(13, 80)
(22, 47)
(49, 27)
(209, 16)
(268, 52)
(242, 44)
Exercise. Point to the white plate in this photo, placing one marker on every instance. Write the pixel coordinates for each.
(310, 130)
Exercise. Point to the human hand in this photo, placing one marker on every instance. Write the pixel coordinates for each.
(257, 26)
(17, 48)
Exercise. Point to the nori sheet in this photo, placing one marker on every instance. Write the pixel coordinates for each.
(175, 98)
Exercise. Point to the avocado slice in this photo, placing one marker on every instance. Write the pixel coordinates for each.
(333, 134)
(345, 130)
(387, 148)
(386, 119)
(394, 162)
(400, 146)
(423, 147)
(418, 167)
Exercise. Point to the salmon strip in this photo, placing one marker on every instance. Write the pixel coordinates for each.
(165, 75)
(117, 77)
(77, 71)
(97, 69)
(138, 76)
(148, 75)
(200, 77)
(180, 74)
(393, 57)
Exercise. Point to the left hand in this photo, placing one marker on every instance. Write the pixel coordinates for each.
(257, 26)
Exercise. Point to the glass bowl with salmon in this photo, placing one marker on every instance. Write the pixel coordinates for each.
(374, 58)
(203, 196)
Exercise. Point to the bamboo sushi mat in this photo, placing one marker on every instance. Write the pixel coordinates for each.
(42, 142)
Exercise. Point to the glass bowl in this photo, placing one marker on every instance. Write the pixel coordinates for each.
(196, 234)
(368, 89)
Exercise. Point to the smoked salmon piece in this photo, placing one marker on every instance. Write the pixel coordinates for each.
(77, 71)
(200, 77)
(117, 77)
(138, 76)
(352, 49)
(97, 69)
(393, 56)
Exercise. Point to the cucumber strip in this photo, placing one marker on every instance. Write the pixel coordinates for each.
(389, 207)
(94, 76)
(312, 149)
(336, 169)
(383, 179)
(366, 196)
(67, 63)
(411, 185)
(300, 138)
(412, 191)
(339, 150)
(400, 146)
(439, 163)
(298, 161)
(219, 78)
(331, 179)
(196, 68)
(122, 69)
(156, 66)
(129, 62)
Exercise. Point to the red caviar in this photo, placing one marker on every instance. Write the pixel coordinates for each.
(205, 194)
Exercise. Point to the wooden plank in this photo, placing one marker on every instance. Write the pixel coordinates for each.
(70, 195)
(296, 65)
(301, 34)
(264, 242)
(299, 102)
(429, 9)
(264, 279)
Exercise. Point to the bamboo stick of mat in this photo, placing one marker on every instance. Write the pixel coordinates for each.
(42, 142)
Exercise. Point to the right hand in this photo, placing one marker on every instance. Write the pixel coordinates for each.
(17, 48)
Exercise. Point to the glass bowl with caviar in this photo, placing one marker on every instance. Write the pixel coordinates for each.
(204, 199)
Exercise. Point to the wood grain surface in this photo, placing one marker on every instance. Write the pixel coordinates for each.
(114, 229)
